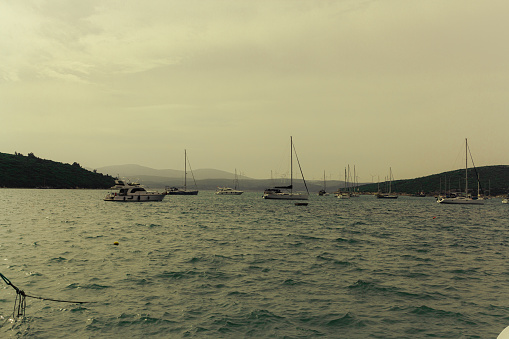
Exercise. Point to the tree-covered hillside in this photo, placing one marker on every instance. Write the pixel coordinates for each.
(19, 171)
(495, 178)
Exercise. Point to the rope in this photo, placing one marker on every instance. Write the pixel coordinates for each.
(20, 301)
(475, 170)
(301, 173)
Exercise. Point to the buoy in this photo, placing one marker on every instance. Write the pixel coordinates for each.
(115, 243)
(434, 217)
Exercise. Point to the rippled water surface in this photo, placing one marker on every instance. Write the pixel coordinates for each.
(240, 266)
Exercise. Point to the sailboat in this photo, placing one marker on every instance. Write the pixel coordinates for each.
(354, 194)
(288, 194)
(229, 190)
(183, 191)
(388, 195)
(323, 191)
(346, 193)
(466, 199)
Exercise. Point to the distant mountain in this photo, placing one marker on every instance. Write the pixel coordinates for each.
(206, 179)
(133, 171)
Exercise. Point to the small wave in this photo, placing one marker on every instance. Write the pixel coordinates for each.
(94, 236)
(291, 282)
(349, 241)
(366, 287)
(238, 293)
(34, 274)
(415, 258)
(308, 237)
(177, 274)
(465, 271)
(258, 321)
(416, 275)
(334, 261)
(348, 320)
(88, 286)
(147, 225)
(429, 311)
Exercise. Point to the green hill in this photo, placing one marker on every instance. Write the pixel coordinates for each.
(19, 171)
(495, 178)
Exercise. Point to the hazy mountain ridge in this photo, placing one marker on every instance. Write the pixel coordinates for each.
(134, 171)
(206, 179)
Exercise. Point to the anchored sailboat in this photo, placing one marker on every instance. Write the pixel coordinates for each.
(388, 195)
(183, 191)
(467, 199)
(288, 194)
(346, 192)
(323, 191)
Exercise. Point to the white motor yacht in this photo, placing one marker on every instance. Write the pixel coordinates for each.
(132, 192)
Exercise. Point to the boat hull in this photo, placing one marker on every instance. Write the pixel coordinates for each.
(385, 196)
(286, 196)
(460, 201)
(230, 193)
(135, 197)
(182, 192)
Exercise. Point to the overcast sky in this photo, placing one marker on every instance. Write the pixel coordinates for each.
(376, 84)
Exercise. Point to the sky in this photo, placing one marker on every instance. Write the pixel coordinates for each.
(382, 84)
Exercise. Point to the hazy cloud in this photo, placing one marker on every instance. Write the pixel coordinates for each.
(375, 83)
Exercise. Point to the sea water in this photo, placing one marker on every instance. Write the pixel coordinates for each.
(241, 266)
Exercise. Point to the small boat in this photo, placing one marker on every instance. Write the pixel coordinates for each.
(288, 194)
(466, 199)
(229, 190)
(180, 191)
(323, 191)
(388, 195)
(183, 191)
(347, 193)
(132, 192)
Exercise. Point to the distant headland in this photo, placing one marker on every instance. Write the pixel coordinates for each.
(20, 171)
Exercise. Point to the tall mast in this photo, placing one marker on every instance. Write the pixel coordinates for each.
(349, 183)
(390, 180)
(291, 164)
(354, 178)
(185, 169)
(346, 186)
(466, 167)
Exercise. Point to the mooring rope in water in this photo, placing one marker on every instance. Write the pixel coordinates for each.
(20, 301)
